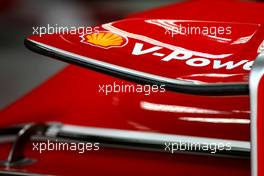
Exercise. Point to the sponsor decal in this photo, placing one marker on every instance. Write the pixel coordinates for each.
(104, 39)
(190, 59)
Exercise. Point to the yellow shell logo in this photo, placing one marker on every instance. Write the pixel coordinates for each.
(104, 39)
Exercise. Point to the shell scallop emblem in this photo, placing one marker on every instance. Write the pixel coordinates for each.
(104, 39)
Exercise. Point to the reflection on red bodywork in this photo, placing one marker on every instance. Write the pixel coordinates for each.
(72, 97)
(109, 161)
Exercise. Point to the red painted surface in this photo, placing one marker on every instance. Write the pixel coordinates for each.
(72, 97)
(108, 161)
(219, 58)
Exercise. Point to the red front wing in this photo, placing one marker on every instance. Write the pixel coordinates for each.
(71, 97)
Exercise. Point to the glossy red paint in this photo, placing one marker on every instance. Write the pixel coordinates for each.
(72, 97)
(158, 47)
(110, 161)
